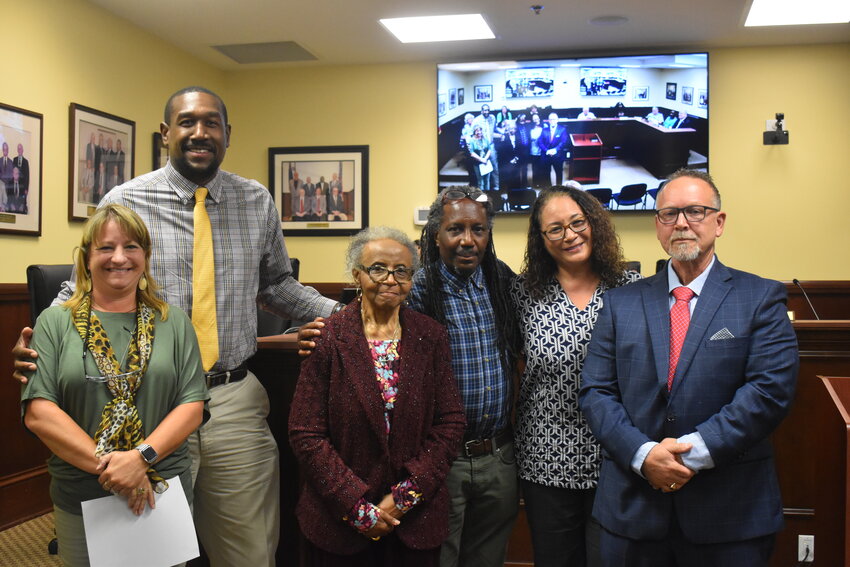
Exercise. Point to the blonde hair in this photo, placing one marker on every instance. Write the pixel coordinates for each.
(134, 227)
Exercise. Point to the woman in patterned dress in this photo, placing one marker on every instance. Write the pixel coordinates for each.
(376, 420)
(572, 257)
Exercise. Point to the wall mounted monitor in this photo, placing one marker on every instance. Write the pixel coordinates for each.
(618, 125)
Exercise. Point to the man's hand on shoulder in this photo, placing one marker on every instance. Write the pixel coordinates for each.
(307, 334)
(663, 466)
(23, 356)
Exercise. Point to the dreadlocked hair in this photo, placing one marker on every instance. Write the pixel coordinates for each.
(606, 256)
(497, 275)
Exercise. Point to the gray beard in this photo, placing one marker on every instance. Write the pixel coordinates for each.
(684, 253)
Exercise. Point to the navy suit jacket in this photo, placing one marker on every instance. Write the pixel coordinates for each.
(559, 142)
(337, 431)
(734, 391)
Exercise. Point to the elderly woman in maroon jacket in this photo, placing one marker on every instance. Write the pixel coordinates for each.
(376, 420)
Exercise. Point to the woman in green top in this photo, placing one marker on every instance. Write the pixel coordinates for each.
(119, 384)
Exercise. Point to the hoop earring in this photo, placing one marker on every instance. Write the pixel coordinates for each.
(143, 283)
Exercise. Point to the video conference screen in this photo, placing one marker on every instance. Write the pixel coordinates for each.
(617, 125)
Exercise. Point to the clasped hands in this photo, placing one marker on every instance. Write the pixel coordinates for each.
(663, 467)
(125, 473)
(388, 519)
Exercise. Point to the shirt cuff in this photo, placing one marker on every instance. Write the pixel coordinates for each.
(640, 457)
(406, 494)
(698, 458)
(363, 516)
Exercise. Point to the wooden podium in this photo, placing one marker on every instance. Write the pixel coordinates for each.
(586, 160)
(811, 449)
(838, 389)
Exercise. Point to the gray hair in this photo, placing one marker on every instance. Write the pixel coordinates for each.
(696, 174)
(367, 235)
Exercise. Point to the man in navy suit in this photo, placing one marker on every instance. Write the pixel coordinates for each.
(553, 142)
(688, 475)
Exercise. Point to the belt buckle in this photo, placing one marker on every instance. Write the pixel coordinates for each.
(467, 445)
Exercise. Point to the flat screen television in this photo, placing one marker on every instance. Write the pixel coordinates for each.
(618, 125)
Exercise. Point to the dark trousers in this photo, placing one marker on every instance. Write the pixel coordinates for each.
(563, 532)
(555, 162)
(389, 551)
(676, 551)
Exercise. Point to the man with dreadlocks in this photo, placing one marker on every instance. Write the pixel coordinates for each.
(465, 287)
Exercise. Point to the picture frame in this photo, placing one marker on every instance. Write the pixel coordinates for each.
(296, 174)
(95, 163)
(21, 163)
(441, 104)
(640, 93)
(670, 93)
(483, 93)
(688, 95)
(452, 98)
(460, 96)
(159, 152)
(702, 98)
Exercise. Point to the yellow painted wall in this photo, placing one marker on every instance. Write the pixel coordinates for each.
(71, 51)
(787, 205)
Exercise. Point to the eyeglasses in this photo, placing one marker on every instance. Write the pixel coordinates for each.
(560, 231)
(464, 193)
(379, 274)
(693, 213)
(127, 376)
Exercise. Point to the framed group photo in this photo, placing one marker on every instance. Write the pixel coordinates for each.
(688, 95)
(320, 190)
(640, 93)
(483, 93)
(671, 91)
(101, 156)
(20, 170)
(460, 93)
(160, 152)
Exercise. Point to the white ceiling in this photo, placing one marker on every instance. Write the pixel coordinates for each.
(341, 32)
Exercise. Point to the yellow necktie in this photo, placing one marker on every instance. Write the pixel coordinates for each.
(203, 283)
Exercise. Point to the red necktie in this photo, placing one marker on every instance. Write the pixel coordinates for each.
(680, 318)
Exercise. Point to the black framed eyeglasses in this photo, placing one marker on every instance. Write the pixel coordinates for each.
(471, 193)
(693, 213)
(379, 274)
(560, 231)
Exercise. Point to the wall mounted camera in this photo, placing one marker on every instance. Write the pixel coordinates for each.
(775, 132)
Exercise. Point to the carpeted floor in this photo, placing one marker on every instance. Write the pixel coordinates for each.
(25, 545)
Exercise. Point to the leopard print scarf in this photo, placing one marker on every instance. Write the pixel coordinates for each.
(120, 428)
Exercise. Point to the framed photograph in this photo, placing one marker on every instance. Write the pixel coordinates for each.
(441, 104)
(702, 98)
(101, 156)
(452, 98)
(160, 152)
(483, 93)
(320, 190)
(688, 95)
(671, 91)
(640, 93)
(460, 93)
(20, 170)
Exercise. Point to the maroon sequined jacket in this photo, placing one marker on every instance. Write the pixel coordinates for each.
(337, 431)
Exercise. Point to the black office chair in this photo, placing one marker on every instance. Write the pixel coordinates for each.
(44, 282)
(602, 195)
(269, 324)
(659, 264)
(633, 265)
(631, 195)
(521, 199)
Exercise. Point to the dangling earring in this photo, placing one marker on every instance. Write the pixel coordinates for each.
(143, 283)
(359, 293)
(87, 283)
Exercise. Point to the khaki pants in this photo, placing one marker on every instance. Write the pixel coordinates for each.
(236, 475)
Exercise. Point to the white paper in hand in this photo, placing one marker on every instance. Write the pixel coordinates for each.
(158, 538)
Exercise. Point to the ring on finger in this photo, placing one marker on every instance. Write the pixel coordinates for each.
(673, 486)
(141, 490)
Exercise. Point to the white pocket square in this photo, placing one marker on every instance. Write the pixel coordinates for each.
(722, 334)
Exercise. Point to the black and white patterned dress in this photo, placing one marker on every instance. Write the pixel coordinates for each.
(554, 445)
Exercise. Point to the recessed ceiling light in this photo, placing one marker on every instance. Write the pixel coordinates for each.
(794, 12)
(609, 20)
(438, 28)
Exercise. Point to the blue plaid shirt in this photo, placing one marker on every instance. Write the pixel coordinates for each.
(479, 367)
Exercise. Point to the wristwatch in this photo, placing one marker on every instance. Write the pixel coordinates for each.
(148, 453)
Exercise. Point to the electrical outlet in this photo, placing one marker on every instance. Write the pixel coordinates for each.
(805, 542)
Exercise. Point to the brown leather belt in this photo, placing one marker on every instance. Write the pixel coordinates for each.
(478, 447)
(227, 377)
